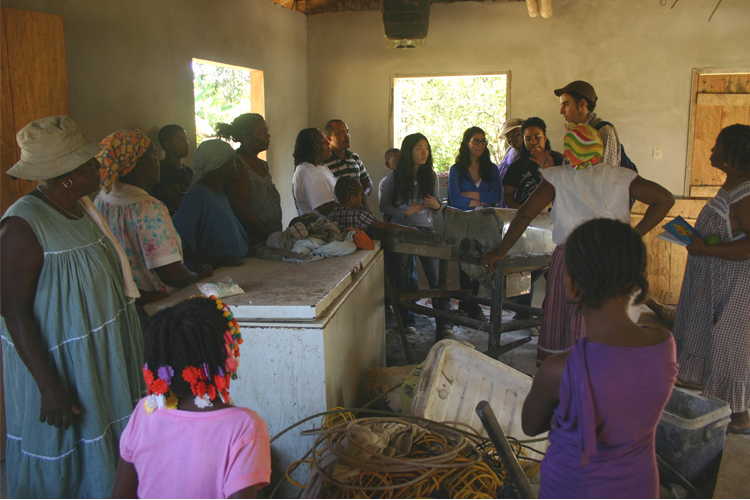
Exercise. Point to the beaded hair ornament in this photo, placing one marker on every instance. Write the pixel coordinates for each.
(204, 385)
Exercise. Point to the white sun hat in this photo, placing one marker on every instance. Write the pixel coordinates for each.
(51, 147)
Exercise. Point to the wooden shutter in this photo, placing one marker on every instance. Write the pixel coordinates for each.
(34, 85)
(721, 100)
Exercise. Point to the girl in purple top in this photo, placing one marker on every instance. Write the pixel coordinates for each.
(602, 399)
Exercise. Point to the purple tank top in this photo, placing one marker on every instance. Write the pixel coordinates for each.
(611, 400)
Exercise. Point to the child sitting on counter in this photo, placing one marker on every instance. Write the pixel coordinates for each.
(349, 194)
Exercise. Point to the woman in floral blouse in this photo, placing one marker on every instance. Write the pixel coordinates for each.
(140, 222)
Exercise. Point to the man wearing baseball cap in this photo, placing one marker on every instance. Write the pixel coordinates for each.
(512, 134)
(577, 104)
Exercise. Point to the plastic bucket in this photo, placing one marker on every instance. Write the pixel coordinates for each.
(692, 432)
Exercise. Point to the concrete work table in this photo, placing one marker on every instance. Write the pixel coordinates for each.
(311, 332)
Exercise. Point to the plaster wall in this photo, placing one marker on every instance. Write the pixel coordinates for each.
(637, 54)
(129, 64)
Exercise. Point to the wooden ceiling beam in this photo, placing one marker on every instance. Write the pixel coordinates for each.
(312, 7)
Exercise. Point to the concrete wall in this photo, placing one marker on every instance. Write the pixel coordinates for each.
(129, 64)
(638, 55)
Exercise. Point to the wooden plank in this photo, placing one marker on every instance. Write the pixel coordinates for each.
(704, 191)
(691, 132)
(724, 99)
(731, 115)
(712, 84)
(677, 261)
(658, 268)
(34, 45)
(738, 83)
(687, 208)
(666, 261)
(707, 128)
(36, 48)
(258, 98)
(9, 153)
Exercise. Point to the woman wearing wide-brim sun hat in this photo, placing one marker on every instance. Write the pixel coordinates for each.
(71, 339)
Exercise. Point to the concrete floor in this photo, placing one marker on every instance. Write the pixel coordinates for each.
(732, 481)
(523, 359)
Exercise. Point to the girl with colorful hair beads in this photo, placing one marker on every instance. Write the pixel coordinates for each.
(583, 188)
(186, 439)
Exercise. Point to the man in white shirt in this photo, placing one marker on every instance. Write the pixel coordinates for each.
(313, 184)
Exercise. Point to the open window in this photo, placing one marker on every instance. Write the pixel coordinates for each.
(443, 107)
(223, 92)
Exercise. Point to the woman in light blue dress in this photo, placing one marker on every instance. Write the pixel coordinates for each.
(71, 340)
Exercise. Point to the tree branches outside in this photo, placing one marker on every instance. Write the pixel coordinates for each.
(442, 108)
(221, 93)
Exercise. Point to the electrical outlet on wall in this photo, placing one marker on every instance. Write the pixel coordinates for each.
(657, 152)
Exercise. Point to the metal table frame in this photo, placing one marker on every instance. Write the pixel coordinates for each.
(431, 245)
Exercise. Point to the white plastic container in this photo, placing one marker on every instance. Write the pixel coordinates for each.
(455, 378)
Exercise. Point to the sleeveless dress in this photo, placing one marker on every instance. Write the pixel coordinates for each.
(602, 443)
(265, 200)
(712, 327)
(92, 334)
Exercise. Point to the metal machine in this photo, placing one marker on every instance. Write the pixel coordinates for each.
(466, 237)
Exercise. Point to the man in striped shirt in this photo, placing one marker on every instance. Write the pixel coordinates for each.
(342, 161)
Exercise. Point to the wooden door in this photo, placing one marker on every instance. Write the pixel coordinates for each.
(34, 85)
(720, 100)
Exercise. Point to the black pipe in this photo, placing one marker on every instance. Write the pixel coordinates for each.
(503, 449)
(509, 306)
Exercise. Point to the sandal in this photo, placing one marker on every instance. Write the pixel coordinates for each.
(745, 431)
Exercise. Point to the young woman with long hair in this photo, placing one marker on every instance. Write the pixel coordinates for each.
(411, 198)
(474, 181)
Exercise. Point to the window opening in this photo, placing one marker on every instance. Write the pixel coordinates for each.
(222, 92)
(443, 107)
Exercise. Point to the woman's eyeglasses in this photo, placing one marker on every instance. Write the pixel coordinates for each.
(477, 142)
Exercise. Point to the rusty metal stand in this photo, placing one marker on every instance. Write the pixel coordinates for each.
(394, 304)
(430, 245)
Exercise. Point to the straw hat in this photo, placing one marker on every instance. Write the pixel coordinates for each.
(51, 147)
(511, 124)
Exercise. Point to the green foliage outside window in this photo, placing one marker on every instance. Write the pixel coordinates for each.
(442, 108)
(221, 94)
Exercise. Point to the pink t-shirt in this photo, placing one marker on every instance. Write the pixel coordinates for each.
(191, 454)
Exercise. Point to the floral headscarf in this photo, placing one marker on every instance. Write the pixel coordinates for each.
(583, 146)
(119, 155)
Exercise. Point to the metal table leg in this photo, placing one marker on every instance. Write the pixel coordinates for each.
(496, 308)
(399, 322)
